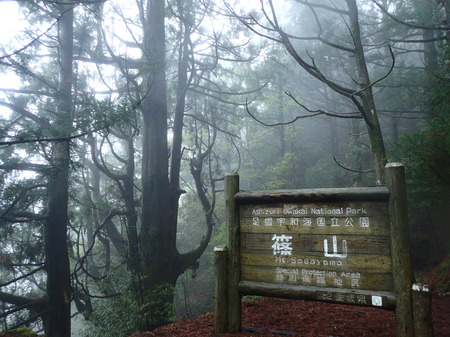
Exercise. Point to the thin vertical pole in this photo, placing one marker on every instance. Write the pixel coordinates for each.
(234, 268)
(221, 291)
(423, 323)
(400, 249)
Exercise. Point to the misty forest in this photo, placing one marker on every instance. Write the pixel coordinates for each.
(119, 120)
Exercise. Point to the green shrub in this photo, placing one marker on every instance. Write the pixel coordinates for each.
(121, 316)
(19, 332)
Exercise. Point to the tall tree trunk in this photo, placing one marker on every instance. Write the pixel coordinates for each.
(57, 322)
(160, 261)
(157, 240)
(182, 86)
(368, 102)
(158, 232)
(425, 10)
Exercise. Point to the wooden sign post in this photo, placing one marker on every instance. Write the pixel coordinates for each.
(348, 245)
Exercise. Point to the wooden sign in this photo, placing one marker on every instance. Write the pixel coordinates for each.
(333, 243)
(347, 245)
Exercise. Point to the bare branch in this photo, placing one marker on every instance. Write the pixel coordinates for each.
(210, 124)
(328, 8)
(57, 139)
(312, 113)
(412, 25)
(25, 113)
(22, 276)
(23, 167)
(113, 213)
(331, 114)
(349, 169)
(21, 301)
(382, 78)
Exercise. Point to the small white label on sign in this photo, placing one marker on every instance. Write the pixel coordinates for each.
(420, 287)
(377, 301)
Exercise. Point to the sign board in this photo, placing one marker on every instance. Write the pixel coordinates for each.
(336, 243)
(348, 245)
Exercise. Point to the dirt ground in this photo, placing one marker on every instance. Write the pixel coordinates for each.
(275, 317)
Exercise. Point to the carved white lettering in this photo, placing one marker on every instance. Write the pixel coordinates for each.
(327, 211)
(265, 211)
(335, 248)
(355, 211)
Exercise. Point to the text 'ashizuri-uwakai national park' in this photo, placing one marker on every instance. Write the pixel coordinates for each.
(344, 245)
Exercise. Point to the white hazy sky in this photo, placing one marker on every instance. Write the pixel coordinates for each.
(9, 27)
(9, 20)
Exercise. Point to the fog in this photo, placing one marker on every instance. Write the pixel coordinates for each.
(119, 121)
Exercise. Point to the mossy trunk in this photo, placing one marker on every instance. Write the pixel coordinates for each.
(157, 238)
(57, 321)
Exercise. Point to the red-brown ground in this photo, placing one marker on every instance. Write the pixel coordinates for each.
(307, 319)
